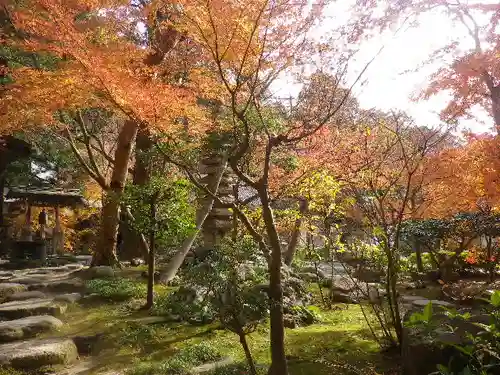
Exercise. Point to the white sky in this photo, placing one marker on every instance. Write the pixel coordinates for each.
(389, 85)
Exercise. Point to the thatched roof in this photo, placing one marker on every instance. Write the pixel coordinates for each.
(47, 196)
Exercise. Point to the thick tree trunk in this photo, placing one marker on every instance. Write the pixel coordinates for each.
(278, 359)
(106, 247)
(294, 240)
(178, 258)
(133, 245)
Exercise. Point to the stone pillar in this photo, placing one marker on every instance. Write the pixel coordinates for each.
(26, 232)
(58, 235)
(219, 221)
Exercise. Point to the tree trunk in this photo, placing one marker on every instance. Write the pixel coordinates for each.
(178, 258)
(2, 197)
(294, 240)
(106, 247)
(151, 257)
(248, 354)
(278, 359)
(133, 244)
(495, 106)
(418, 254)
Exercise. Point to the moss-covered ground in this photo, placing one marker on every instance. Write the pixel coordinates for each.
(340, 343)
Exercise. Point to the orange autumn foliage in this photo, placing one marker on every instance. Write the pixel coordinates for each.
(465, 176)
(98, 66)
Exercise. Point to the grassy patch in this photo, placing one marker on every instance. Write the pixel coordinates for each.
(180, 363)
(117, 289)
(339, 343)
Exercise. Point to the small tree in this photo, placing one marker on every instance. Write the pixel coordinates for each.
(162, 211)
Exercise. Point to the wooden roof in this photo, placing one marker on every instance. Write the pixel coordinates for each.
(48, 196)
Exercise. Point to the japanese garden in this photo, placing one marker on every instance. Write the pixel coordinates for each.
(224, 187)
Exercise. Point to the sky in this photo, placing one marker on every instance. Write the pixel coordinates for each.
(387, 82)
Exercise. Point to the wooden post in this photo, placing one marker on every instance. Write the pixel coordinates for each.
(26, 234)
(58, 236)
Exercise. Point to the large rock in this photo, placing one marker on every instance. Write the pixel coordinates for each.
(368, 275)
(342, 284)
(21, 296)
(30, 307)
(6, 289)
(27, 327)
(37, 353)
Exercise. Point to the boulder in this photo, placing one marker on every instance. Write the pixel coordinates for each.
(309, 277)
(368, 275)
(342, 284)
(21, 296)
(37, 353)
(27, 327)
(68, 297)
(6, 289)
(339, 297)
(316, 271)
(30, 307)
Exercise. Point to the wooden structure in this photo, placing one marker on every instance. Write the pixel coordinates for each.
(46, 197)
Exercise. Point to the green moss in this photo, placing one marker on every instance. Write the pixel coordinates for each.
(339, 343)
(118, 289)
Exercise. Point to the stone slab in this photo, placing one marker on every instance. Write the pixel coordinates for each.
(423, 302)
(21, 296)
(27, 327)
(6, 289)
(37, 306)
(37, 353)
(60, 286)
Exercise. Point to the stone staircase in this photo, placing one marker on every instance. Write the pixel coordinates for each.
(32, 303)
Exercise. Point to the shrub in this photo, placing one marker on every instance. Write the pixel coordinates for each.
(479, 353)
(118, 289)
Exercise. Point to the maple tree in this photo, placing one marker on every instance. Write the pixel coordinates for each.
(98, 65)
(472, 78)
(472, 165)
(387, 192)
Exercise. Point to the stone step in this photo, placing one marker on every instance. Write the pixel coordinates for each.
(34, 354)
(6, 289)
(73, 285)
(22, 296)
(37, 306)
(28, 327)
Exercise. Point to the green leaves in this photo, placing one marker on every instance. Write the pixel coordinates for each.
(495, 298)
